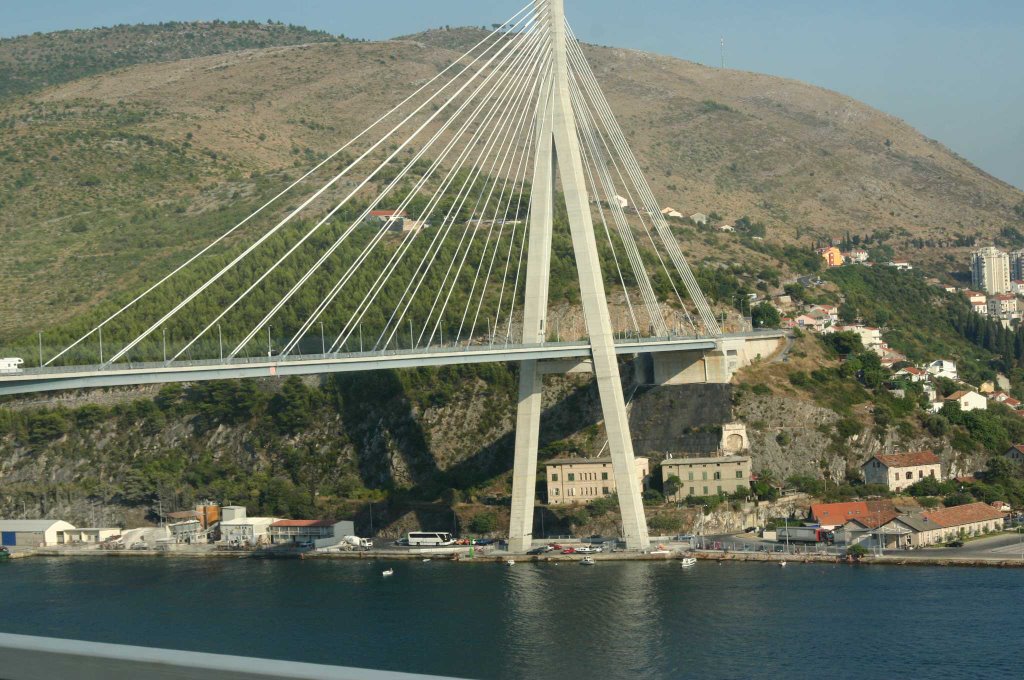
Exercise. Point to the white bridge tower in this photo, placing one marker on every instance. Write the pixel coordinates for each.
(558, 147)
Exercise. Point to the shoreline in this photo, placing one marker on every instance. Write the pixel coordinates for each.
(464, 558)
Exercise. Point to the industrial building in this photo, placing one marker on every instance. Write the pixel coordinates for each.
(286, 531)
(32, 533)
(238, 530)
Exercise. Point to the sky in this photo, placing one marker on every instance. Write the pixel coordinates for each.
(954, 69)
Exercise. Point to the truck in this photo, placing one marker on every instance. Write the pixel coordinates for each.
(11, 365)
(794, 534)
(357, 542)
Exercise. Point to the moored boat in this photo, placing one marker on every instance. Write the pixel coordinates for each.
(688, 562)
(387, 572)
(587, 560)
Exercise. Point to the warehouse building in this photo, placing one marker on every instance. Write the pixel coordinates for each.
(32, 533)
(285, 531)
(246, 531)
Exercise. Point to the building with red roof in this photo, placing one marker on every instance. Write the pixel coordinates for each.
(899, 470)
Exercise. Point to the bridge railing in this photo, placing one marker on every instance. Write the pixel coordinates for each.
(460, 348)
(25, 657)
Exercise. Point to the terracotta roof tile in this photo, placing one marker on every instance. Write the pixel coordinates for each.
(837, 514)
(303, 523)
(962, 514)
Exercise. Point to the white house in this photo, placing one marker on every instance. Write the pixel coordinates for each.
(942, 368)
(699, 218)
(900, 470)
(901, 265)
(856, 255)
(623, 203)
(1002, 303)
(33, 532)
(913, 373)
(671, 212)
(969, 400)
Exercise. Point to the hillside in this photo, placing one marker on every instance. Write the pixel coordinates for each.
(150, 161)
(32, 62)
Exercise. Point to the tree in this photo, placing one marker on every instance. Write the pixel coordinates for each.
(484, 523)
(847, 312)
(290, 408)
(672, 485)
(765, 315)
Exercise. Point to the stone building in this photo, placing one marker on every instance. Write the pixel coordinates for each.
(707, 476)
(581, 480)
(900, 470)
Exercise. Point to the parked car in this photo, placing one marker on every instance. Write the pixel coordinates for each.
(539, 551)
(307, 545)
(485, 541)
(138, 545)
(402, 541)
(569, 551)
(555, 546)
(955, 544)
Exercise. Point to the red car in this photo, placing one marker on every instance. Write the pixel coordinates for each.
(554, 546)
(569, 551)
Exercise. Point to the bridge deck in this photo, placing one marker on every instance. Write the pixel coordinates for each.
(84, 377)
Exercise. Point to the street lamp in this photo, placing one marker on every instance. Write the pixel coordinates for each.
(270, 349)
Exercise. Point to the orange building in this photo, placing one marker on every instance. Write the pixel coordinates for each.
(832, 255)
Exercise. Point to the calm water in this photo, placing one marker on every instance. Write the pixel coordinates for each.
(613, 620)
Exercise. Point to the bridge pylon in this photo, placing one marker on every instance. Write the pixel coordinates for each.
(557, 146)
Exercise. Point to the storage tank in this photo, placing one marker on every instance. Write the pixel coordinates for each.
(232, 512)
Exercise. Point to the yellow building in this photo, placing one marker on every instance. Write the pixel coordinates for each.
(832, 255)
(707, 476)
(581, 480)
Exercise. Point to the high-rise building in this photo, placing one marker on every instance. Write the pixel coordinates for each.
(990, 270)
(1017, 265)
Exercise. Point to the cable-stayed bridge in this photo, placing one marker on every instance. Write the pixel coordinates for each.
(438, 235)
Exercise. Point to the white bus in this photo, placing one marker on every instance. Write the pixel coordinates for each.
(430, 538)
(11, 365)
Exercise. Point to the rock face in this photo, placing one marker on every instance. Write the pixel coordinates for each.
(679, 419)
(794, 437)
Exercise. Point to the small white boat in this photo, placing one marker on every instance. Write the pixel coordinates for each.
(587, 560)
(511, 563)
(782, 563)
(426, 559)
(688, 562)
(387, 572)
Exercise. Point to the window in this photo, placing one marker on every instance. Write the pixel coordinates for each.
(705, 491)
(718, 475)
(920, 474)
(895, 476)
(604, 490)
(691, 490)
(556, 490)
(719, 488)
(691, 476)
(704, 475)
(570, 491)
(739, 474)
(554, 477)
(931, 473)
(572, 477)
(910, 475)
(604, 475)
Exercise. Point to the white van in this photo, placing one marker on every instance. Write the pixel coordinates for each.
(11, 365)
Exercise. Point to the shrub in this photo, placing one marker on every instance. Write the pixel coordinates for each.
(484, 523)
(668, 524)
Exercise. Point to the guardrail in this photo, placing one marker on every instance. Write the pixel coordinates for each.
(26, 657)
